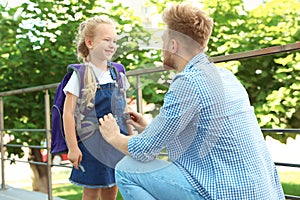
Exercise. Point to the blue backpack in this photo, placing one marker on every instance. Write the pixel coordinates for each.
(58, 143)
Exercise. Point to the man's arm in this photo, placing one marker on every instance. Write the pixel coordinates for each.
(111, 133)
(180, 106)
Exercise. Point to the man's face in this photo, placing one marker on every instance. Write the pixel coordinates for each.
(168, 58)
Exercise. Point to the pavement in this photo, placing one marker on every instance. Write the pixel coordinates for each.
(284, 153)
(11, 193)
(18, 176)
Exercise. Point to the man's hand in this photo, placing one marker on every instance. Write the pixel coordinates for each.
(137, 121)
(110, 131)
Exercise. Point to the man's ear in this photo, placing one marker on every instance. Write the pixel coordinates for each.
(88, 42)
(174, 46)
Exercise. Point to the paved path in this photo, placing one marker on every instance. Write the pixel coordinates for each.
(19, 194)
(285, 153)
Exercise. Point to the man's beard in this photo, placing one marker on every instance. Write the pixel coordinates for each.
(168, 60)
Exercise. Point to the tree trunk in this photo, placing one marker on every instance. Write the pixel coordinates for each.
(39, 172)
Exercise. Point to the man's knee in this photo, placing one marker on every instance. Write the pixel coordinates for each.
(124, 163)
(130, 165)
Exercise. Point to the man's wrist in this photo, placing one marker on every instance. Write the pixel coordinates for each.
(114, 138)
(120, 142)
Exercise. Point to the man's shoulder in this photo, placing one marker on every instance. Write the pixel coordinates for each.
(189, 74)
(184, 79)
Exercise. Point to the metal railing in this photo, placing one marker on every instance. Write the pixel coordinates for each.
(295, 131)
(137, 74)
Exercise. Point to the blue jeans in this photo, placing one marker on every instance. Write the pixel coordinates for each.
(157, 179)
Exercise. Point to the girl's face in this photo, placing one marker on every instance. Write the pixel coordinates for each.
(104, 44)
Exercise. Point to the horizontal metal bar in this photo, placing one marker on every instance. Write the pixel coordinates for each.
(30, 89)
(62, 165)
(145, 71)
(31, 162)
(288, 130)
(24, 130)
(28, 146)
(225, 58)
(290, 197)
(230, 57)
(257, 53)
(38, 163)
(287, 164)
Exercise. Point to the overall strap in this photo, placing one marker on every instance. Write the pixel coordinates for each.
(113, 72)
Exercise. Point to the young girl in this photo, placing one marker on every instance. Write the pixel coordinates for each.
(93, 159)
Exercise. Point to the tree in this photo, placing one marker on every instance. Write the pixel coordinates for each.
(38, 45)
(270, 80)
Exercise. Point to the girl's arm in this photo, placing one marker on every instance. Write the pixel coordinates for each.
(74, 153)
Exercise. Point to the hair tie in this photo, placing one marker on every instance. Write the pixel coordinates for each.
(82, 26)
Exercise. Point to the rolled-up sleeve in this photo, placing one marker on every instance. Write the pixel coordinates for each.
(180, 106)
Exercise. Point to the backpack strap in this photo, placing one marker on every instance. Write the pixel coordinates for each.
(84, 128)
(79, 69)
(115, 71)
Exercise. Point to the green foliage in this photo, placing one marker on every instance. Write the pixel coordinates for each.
(283, 100)
(271, 81)
(152, 92)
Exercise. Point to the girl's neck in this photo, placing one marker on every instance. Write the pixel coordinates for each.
(100, 64)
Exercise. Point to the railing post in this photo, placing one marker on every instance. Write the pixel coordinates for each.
(139, 95)
(2, 143)
(48, 142)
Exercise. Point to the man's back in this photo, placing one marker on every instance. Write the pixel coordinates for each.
(228, 157)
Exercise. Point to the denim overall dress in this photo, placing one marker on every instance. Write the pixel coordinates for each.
(99, 158)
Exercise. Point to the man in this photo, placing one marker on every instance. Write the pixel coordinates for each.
(207, 125)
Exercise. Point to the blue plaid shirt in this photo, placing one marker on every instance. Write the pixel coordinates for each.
(211, 133)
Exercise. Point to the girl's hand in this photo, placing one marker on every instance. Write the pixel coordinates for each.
(75, 156)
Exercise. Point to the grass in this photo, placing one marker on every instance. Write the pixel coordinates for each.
(69, 191)
(64, 189)
(72, 192)
(289, 177)
(290, 181)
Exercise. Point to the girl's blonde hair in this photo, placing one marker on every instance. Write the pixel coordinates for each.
(189, 20)
(87, 29)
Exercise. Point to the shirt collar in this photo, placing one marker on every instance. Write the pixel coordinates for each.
(200, 58)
